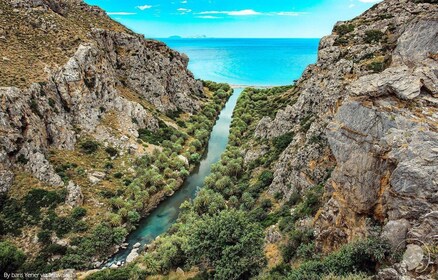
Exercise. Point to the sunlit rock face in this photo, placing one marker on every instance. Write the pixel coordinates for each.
(367, 119)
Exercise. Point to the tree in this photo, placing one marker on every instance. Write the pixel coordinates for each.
(11, 258)
(227, 243)
(209, 202)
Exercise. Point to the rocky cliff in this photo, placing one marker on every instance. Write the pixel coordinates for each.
(73, 66)
(366, 117)
(97, 126)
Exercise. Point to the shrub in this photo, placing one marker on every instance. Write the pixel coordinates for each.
(22, 159)
(78, 212)
(38, 198)
(111, 151)
(228, 243)
(372, 36)
(295, 239)
(266, 178)
(340, 41)
(359, 256)
(376, 66)
(89, 146)
(281, 142)
(124, 273)
(11, 258)
(44, 236)
(344, 29)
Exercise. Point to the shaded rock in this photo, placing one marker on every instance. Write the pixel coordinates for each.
(395, 232)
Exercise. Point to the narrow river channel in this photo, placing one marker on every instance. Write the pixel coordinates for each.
(161, 218)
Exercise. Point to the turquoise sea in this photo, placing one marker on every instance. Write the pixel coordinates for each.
(258, 62)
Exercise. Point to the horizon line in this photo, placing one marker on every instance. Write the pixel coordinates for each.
(177, 38)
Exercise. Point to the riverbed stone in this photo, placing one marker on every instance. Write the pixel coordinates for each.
(132, 255)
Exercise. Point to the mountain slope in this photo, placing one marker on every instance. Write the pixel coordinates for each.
(97, 126)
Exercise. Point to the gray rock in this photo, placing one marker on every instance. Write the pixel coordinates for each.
(388, 274)
(413, 256)
(6, 179)
(132, 255)
(395, 232)
(68, 274)
(74, 197)
(272, 235)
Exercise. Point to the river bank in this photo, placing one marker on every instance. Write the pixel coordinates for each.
(166, 212)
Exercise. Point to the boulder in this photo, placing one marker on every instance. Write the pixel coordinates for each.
(74, 197)
(132, 255)
(413, 256)
(395, 232)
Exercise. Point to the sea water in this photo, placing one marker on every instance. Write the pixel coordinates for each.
(255, 62)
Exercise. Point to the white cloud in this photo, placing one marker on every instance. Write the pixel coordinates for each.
(184, 2)
(144, 7)
(351, 6)
(183, 10)
(250, 12)
(121, 13)
(243, 13)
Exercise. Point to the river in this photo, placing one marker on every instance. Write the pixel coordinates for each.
(161, 218)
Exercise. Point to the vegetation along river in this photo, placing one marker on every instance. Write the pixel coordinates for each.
(161, 218)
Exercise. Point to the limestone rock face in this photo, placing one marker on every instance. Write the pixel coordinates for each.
(366, 127)
(74, 195)
(111, 74)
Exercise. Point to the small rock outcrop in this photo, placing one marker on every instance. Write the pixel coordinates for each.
(74, 197)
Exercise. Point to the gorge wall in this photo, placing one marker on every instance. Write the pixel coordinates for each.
(109, 70)
(366, 117)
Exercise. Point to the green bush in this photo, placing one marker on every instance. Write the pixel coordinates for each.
(11, 258)
(78, 213)
(376, 66)
(228, 243)
(295, 239)
(111, 151)
(35, 199)
(373, 36)
(89, 146)
(44, 236)
(359, 256)
(344, 29)
(22, 159)
(281, 142)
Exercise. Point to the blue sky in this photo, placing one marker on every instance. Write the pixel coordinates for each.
(233, 18)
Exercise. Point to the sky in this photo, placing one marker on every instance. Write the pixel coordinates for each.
(233, 18)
